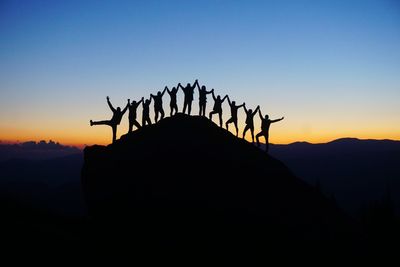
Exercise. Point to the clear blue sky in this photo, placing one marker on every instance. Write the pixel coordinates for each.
(332, 68)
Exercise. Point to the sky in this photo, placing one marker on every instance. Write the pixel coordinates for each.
(331, 68)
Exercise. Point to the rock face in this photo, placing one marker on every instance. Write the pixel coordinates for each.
(186, 182)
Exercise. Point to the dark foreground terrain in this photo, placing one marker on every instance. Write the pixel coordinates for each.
(188, 187)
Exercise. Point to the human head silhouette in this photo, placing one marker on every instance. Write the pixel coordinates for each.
(266, 117)
(133, 103)
(173, 88)
(158, 93)
(188, 85)
(118, 109)
(250, 111)
(233, 103)
(203, 88)
(219, 97)
(147, 101)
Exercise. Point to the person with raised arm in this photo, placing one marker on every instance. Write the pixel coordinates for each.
(115, 120)
(188, 91)
(250, 121)
(217, 109)
(132, 114)
(158, 108)
(203, 99)
(265, 123)
(234, 118)
(172, 94)
(146, 112)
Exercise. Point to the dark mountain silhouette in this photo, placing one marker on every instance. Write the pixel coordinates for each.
(188, 184)
(356, 172)
(51, 184)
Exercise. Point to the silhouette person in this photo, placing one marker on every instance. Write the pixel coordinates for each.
(173, 104)
(188, 91)
(234, 118)
(203, 99)
(265, 123)
(249, 121)
(158, 108)
(217, 109)
(132, 114)
(146, 112)
(115, 120)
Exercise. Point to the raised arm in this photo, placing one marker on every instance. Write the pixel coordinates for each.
(212, 91)
(179, 86)
(229, 101)
(259, 113)
(163, 92)
(169, 92)
(277, 120)
(141, 101)
(109, 104)
(257, 109)
(242, 105)
(126, 107)
(197, 83)
(223, 99)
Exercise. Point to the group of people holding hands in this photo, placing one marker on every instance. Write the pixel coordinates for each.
(188, 91)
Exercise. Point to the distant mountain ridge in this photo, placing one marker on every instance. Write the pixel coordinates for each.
(36, 150)
(356, 172)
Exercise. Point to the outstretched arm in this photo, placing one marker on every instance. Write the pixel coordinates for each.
(223, 99)
(109, 104)
(138, 103)
(277, 120)
(242, 105)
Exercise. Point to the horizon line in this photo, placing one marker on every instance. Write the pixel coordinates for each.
(82, 146)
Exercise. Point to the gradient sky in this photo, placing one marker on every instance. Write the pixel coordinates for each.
(332, 68)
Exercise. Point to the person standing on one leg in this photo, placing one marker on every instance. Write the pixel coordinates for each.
(158, 108)
(188, 91)
(203, 99)
(217, 109)
(265, 124)
(234, 118)
(115, 120)
(132, 114)
(173, 106)
(250, 121)
(146, 112)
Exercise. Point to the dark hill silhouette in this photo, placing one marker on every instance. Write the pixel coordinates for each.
(187, 183)
(356, 172)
